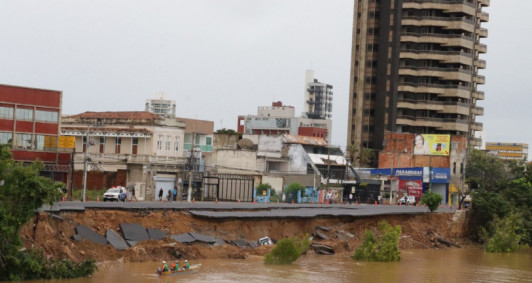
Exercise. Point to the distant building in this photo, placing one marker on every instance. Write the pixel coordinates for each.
(280, 119)
(29, 122)
(136, 148)
(318, 98)
(161, 106)
(508, 151)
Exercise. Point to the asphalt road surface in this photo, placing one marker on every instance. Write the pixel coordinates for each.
(251, 210)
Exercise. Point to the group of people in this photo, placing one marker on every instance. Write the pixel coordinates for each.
(172, 194)
(174, 266)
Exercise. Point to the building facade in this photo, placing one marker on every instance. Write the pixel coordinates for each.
(161, 106)
(508, 151)
(318, 98)
(415, 69)
(135, 149)
(280, 119)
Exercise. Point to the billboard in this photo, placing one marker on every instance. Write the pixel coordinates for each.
(67, 142)
(427, 144)
(411, 187)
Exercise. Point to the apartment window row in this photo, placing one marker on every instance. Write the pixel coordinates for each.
(28, 141)
(27, 114)
(168, 144)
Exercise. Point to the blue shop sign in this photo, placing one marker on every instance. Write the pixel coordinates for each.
(409, 173)
(440, 175)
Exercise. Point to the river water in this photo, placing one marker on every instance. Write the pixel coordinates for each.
(450, 265)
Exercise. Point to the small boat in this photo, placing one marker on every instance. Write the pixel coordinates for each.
(192, 269)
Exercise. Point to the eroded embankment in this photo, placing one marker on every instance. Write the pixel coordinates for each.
(53, 234)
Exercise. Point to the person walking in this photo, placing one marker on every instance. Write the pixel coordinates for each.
(174, 193)
(169, 196)
(133, 193)
(350, 198)
(161, 194)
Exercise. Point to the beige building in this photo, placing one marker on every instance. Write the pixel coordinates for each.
(137, 149)
(415, 69)
(508, 151)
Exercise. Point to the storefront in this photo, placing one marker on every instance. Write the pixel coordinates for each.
(438, 182)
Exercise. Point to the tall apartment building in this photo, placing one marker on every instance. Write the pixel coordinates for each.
(318, 98)
(161, 106)
(508, 151)
(415, 69)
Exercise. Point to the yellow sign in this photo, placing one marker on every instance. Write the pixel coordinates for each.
(67, 142)
(432, 144)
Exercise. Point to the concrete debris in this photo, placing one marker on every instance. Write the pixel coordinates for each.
(134, 232)
(86, 233)
(322, 249)
(115, 240)
(156, 234)
(184, 238)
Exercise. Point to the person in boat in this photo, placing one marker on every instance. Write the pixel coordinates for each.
(187, 265)
(164, 267)
(174, 266)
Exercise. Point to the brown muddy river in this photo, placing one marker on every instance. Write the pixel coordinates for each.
(452, 265)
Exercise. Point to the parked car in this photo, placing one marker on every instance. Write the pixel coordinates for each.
(408, 200)
(115, 194)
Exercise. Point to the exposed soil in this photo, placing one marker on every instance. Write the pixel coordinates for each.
(53, 235)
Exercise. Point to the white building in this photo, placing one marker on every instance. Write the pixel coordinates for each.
(318, 98)
(161, 106)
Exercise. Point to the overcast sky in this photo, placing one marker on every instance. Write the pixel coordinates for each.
(223, 58)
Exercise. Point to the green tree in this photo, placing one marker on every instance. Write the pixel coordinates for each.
(293, 188)
(263, 187)
(383, 247)
(506, 237)
(366, 156)
(352, 151)
(484, 171)
(288, 250)
(227, 131)
(432, 200)
(22, 192)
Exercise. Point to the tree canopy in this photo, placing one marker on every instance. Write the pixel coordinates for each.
(22, 192)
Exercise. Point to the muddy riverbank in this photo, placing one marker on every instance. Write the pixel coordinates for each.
(54, 234)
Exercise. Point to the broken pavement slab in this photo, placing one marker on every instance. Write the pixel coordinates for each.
(115, 240)
(87, 233)
(324, 228)
(322, 249)
(134, 232)
(241, 243)
(184, 238)
(320, 235)
(156, 234)
(203, 238)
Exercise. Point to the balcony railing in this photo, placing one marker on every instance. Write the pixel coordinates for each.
(202, 147)
(464, 2)
(432, 18)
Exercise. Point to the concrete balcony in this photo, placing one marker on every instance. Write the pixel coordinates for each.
(483, 33)
(477, 110)
(484, 3)
(479, 79)
(465, 7)
(443, 39)
(481, 64)
(441, 90)
(482, 48)
(484, 17)
(478, 95)
(475, 142)
(436, 123)
(477, 126)
(455, 23)
(442, 56)
(438, 106)
(443, 73)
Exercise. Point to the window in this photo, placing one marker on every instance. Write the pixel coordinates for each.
(24, 114)
(24, 141)
(6, 112)
(45, 116)
(6, 138)
(102, 144)
(168, 144)
(454, 167)
(160, 143)
(176, 145)
(208, 140)
(39, 142)
(118, 142)
(134, 145)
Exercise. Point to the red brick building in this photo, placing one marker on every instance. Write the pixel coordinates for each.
(29, 122)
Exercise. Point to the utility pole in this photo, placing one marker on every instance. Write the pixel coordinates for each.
(189, 193)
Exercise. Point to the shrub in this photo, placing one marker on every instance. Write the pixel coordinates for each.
(263, 187)
(506, 238)
(293, 188)
(288, 250)
(384, 247)
(432, 200)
